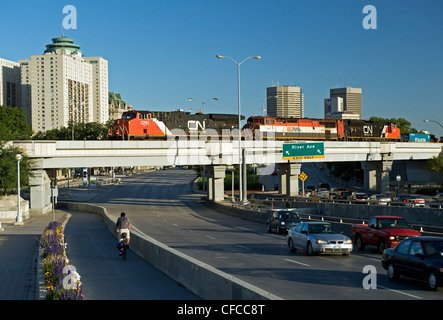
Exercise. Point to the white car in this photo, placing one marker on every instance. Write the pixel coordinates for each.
(379, 199)
(318, 237)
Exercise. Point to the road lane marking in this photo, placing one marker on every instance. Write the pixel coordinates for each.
(239, 245)
(297, 262)
(210, 237)
(400, 292)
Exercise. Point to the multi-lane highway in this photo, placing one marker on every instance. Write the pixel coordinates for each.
(161, 205)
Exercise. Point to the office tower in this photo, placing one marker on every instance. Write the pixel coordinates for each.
(285, 102)
(352, 101)
(10, 92)
(61, 85)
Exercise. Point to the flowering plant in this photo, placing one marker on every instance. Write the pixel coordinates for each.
(61, 280)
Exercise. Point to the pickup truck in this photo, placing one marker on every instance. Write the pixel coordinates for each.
(383, 232)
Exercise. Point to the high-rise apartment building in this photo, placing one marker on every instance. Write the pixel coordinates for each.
(352, 102)
(61, 85)
(285, 102)
(10, 83)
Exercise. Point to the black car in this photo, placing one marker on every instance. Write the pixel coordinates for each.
(416, 257)
(282, 220)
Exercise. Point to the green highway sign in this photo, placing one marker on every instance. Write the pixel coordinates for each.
(305, 150)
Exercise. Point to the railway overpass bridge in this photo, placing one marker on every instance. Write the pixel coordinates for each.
(377, 159)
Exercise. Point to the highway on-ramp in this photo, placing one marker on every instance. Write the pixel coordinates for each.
(162, 205)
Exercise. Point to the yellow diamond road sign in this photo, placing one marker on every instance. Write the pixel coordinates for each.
(303, 176)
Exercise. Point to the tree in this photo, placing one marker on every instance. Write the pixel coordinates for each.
(8, 169)
(403, 124)
(436, 164)
(81, 131)
(13, 124)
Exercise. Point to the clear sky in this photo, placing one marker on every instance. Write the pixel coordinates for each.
(161, 53)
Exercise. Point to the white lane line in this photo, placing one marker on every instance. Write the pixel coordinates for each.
(240, 246)
(210, 237)
(174, 224)
(400, 292)
(297, 262)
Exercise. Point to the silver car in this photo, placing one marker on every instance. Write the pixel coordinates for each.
(318, 237)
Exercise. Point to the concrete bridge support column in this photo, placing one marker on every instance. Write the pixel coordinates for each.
(376, 175)
(40, 192)
(216, 182)
(288, 178)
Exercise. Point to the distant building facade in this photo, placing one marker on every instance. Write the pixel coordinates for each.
(343, 103)
(61, 85)
(117, 106)
(10, 92)
(285, 102)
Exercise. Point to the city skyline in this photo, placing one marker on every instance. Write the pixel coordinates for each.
(160, 54)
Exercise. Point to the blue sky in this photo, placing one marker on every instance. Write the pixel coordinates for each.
(161, 53)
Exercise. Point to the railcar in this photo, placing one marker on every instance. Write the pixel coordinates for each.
(321, 129)
(161, 124)
(361, 130)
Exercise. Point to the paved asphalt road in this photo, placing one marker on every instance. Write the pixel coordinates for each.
(161, 205)
(104, 274)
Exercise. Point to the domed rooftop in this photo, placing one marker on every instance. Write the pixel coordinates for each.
(63, 43)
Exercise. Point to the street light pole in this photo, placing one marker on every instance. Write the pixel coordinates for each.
(18, 157)
(203, 103)
(242, 198)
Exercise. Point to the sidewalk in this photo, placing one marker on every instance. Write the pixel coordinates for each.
(18, 254)
(92, 251)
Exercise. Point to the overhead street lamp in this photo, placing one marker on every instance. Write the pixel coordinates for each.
(435, 122)
(242, 197)
(203, 103)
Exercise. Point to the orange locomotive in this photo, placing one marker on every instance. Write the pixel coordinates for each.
(161, 124)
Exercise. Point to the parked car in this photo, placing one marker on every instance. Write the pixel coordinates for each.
(419, 257)
(361, 197)
(344, 195)
(379, 199)
(322, 193)
(410, 199)
(318, 237)
(332, 195)
(282, 219)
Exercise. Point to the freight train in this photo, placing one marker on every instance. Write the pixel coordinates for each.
(159, 125)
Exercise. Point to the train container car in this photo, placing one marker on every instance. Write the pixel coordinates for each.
(361, 130)
(161, 124)
(415, 137)
(295, 128)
